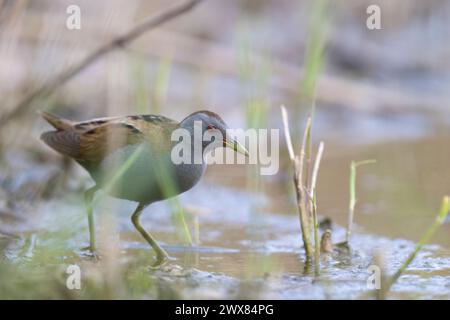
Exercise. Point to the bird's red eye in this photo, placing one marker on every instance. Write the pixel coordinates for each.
(211, 127)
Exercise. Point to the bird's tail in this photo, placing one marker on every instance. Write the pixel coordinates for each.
(57, 122)
(65, 140)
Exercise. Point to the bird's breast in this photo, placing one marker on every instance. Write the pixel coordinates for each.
(143, 174)
(188, 175)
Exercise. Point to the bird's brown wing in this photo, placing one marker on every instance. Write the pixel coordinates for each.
(90, 141)
(98, 142)
(94, 144)
(109, 134)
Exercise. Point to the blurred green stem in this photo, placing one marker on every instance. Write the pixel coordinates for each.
(352, 201)
(313, 197)
(161, 84)
(445, 208)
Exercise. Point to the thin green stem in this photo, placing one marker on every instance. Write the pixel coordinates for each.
(352, 192)
(445, 208)
(313, 204)
(305, 217)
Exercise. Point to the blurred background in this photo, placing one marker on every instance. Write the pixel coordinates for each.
(378, 94)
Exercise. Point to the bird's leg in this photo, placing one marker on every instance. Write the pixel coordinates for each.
(88, 199)
(161, 254)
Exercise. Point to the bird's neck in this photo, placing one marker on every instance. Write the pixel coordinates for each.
(190, 145)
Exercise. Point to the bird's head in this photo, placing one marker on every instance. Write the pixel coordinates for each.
(212, 124)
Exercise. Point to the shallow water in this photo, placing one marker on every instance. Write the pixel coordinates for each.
(270, 260)
(241, 253)
(246, 244)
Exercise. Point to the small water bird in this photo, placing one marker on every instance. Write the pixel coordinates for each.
(131, 157)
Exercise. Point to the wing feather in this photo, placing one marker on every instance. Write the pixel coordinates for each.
(96, 143)
(91, 141)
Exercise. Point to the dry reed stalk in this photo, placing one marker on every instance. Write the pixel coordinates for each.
(304, 186)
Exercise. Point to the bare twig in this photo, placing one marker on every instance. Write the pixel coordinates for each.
(121, 41)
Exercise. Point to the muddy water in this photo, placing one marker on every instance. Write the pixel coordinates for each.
(398, 198)
(247, 244)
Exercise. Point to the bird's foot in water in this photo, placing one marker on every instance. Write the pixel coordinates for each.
(90, 252)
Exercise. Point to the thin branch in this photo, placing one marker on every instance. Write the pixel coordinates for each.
(121, 41)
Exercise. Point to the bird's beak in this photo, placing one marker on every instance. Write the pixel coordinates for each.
(236, 146)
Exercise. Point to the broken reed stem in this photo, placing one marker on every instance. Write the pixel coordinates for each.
(445, 208)
(298, 163)
(287, 133)
(352, 192)
(305, 216)
(313, 199)
(303, 147)
(316, 168)
(308, 153)
(48, 88)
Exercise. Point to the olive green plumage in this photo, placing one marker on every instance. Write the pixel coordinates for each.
(129, 157)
